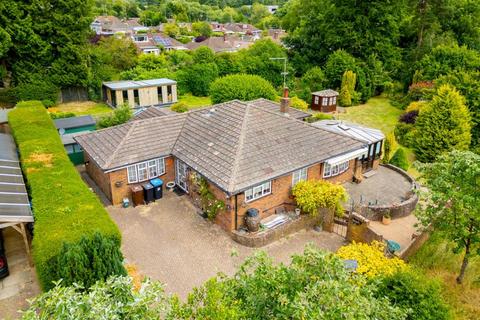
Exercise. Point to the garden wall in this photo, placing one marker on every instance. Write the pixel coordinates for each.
(74, 237)
(403, 209)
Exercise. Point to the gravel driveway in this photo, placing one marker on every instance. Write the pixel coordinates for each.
(170, 242)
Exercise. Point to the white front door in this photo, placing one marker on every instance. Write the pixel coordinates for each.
(181, 175)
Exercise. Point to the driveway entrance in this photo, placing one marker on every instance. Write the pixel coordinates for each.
(168, 241)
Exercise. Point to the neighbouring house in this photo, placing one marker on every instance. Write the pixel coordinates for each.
(250, 156)
(71, 127)
(141, 93)
(109, 25)
(276, 35)
(324, 101)
(372, 137)
(221, 44)
(153, 43)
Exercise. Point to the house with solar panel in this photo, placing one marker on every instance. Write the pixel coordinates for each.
(141, 93)
(154, 43)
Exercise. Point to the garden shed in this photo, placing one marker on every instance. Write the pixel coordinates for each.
(15, 208)
(71, 127)
(324, 101)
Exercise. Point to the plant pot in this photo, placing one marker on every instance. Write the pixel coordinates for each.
(253, 223)
(386, 220)
(297, 211)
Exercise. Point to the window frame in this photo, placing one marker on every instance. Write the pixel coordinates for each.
(153, 168)
(299, 175)
(335, 170)
(324, 101)
(265, 190)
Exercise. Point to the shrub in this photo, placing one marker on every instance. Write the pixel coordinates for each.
(179, 107)
(199, 78)
(241, 86)
(389, 145)
(65, 210)
(409, 117)
(418, 295)
(371, 259)
(120, 115)
(399, 159)
(297, 103)
(312, 195)
(7, 95)
(416, 106)
(48, 103)
(319, 116)
(404, 133)
(61, 115)
(37, 89)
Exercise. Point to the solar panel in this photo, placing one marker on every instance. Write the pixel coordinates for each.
(163, 41)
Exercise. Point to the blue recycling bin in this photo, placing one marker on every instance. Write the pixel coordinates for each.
(157, 188)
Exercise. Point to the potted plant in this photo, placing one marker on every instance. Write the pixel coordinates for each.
(386, 218)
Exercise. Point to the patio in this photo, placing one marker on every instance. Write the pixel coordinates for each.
(385, 187)
(168, 241)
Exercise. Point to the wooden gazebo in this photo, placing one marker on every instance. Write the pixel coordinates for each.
(324, 101)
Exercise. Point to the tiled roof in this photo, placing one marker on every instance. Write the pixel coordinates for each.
(235, 145)
(326, 93)
(275, 107)
(133, 141)
(152, 112)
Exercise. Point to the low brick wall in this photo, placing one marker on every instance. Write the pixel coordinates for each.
(396, 210)
(262, 238)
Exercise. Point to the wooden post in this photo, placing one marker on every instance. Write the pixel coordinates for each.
(23, 232)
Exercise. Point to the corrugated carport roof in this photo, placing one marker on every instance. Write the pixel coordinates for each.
(14, 202)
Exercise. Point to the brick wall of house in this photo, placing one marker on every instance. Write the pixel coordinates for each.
(101, 179)
(123, 189)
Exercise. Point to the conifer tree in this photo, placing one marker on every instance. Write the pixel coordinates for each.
(347, 90)
(443, 125)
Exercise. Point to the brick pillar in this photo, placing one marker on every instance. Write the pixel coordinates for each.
(327, 219)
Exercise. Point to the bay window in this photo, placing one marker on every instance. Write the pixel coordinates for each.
(334, 170)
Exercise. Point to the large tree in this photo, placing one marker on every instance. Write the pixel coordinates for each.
(362, 28)
(442, 125)
(453, 201)
(48, 38)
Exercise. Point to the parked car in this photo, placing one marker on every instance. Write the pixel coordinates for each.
(3, 259)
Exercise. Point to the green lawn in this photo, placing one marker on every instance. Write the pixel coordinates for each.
(376, 113)
(83, 108)
(194, 102)
(437, 260)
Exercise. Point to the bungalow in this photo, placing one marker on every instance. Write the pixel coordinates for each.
(142, 93)
(249, 155)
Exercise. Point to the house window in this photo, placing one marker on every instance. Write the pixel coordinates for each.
(142, 171)
(335, 170)
(146, 170)
(69, 148)
(378, 149)
(316, 100)
(299, 175)
(325, 102)
(258, 191)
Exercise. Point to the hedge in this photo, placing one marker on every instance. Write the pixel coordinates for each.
(74, 237)
(243, 87)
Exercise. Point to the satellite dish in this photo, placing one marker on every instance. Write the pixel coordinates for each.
(61, 131)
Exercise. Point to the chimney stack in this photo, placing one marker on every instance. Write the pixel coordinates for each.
(284, 101)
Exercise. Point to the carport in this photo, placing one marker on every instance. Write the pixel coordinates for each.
(15, 208)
